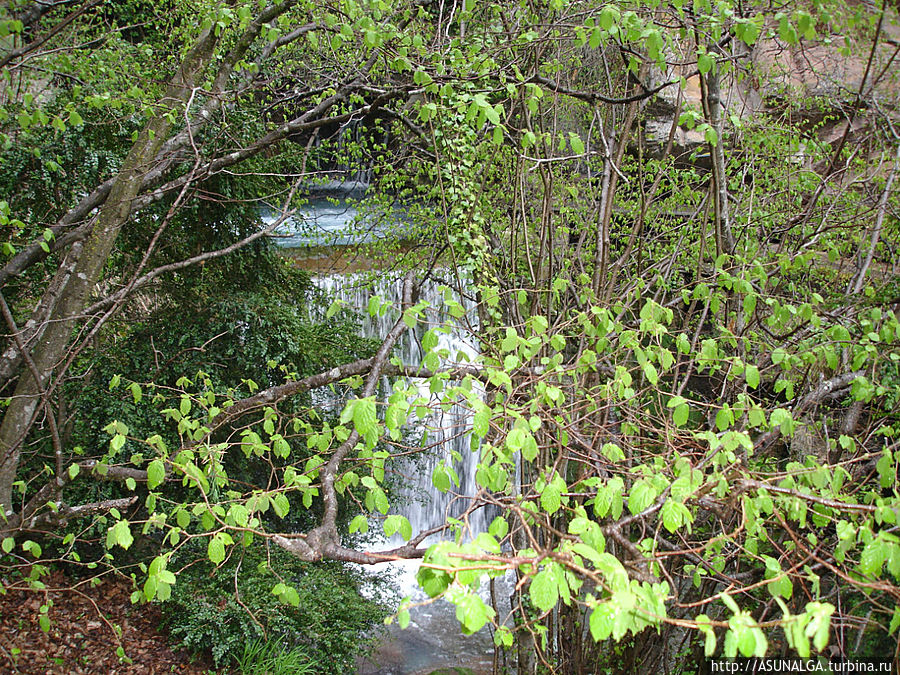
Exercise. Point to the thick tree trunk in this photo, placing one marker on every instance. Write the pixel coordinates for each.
(87, 260)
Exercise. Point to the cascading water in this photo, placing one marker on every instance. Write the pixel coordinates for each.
(433, 638)
(444, 432)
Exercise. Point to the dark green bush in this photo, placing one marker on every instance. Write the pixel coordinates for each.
(223, 609)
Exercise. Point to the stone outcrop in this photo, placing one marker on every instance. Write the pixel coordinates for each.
(816, 81)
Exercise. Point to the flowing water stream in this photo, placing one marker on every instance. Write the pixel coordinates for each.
(433, 639)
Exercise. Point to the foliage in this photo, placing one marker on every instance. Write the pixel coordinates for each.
(684, 405)
(231, 612)
(267, 658)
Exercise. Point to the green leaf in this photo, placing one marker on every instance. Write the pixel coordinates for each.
(499, 527)
(395, 523)
(359, 524)
(613, 452)
(703, 623)
(364, 417)
(381, 501)
(472, 613)
(405, 529)
(806, 24)
(440, 478)
(183, 518)
(156, 473)
(239, 515)
(780, 584)
(32, 547)
(602, 620)
(729, 602)
(280, 505)
(787, 32)
(751, 375)
(215, 550)
(819, 623)
(671, 515)
(429, 340)
(289, 596)
(433, 582)
(481, 420)
(510, 340)
(403, 618)
(681, 414)
(895, 621)
(752, 642)
(515, 439)
(783, 419)
(550, 498)
(116, 443)
(872, 558)
(576, 143)
(503, 637)
(8, 544)
(641, 496)
(529, 448)
(724, 418)
(609, 16)
(119, 534)
(749, 303)
(544, 590)
(747, 31)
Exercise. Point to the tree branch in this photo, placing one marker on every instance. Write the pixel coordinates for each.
(763, 442)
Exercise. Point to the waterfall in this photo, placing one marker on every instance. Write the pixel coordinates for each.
(433, 638)
(445, 432)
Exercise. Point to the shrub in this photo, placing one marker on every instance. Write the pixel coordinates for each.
(226, 609)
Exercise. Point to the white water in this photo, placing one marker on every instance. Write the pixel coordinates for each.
(433, 638)
(444, 433)
(336, 214)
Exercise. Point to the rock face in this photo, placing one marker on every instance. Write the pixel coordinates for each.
(816, 80)
(661, 117)
(816, 72)
(738, 98)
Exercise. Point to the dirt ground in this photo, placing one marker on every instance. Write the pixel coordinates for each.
(87, 626)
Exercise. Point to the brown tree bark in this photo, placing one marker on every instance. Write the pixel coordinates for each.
(86, 259)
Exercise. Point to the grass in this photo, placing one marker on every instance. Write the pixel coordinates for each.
(263, 657)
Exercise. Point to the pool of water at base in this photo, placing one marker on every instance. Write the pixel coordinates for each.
(433, 640)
